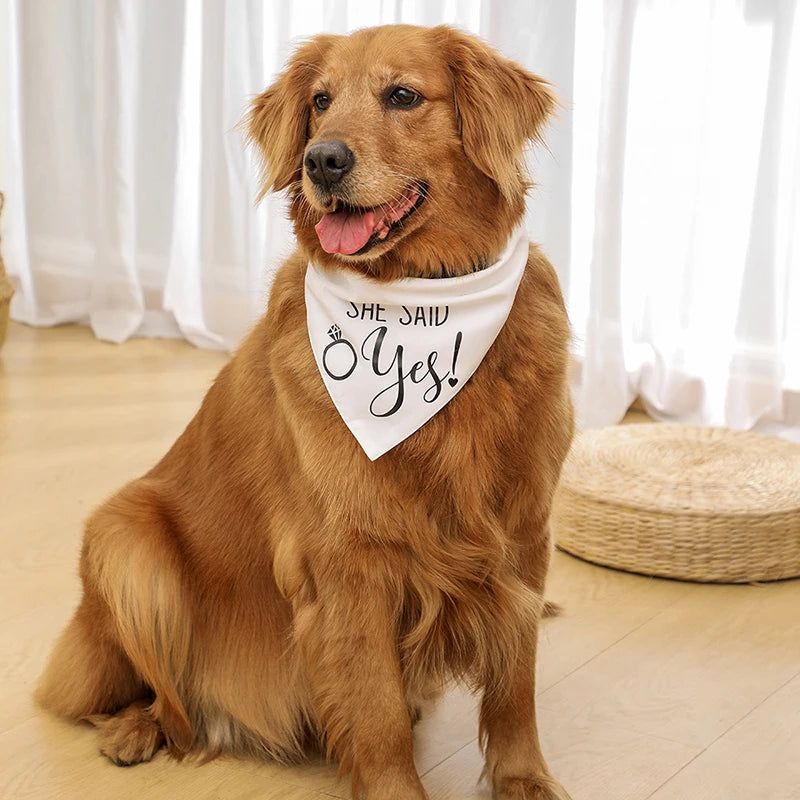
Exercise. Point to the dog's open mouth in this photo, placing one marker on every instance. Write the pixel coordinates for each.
(350, 230)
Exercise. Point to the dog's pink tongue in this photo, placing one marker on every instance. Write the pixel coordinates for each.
(345, 232)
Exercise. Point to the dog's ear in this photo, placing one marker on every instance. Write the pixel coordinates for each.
(277, 123)
(500, 107)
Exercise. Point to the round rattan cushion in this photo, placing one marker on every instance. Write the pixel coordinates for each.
(679, 501)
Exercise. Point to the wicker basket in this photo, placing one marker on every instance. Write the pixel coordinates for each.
(677, 501)
(6, 289)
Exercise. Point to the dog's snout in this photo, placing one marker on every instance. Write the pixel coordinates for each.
(327, 163)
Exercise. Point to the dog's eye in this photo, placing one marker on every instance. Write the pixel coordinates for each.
(321, 102)
(401, 96)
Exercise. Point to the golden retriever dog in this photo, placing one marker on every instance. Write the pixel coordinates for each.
(267, 589)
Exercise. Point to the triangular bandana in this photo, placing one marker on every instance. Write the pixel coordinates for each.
(393, 354)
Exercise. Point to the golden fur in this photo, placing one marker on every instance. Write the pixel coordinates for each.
(265, 588)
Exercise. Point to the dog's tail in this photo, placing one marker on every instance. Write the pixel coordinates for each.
(551, 609)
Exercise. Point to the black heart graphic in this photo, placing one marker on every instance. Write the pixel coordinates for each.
(453, 381)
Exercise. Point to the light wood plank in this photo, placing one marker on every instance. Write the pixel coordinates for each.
(694, 670)
(617, 765)
(758, 758)
(585, 628)
(25, 642)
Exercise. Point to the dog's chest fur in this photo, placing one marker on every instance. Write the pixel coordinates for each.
(443, 510)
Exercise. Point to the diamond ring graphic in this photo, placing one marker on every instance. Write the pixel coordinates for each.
(338, 361)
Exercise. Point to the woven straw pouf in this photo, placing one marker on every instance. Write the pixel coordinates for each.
(678, 501)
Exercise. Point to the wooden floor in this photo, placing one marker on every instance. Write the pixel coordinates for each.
(647, 688)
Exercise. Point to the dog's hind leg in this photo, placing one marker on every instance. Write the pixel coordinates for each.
(88, 672)
(124, 657)
(90, 678)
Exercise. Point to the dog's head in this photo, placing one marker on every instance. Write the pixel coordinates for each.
(401, 148)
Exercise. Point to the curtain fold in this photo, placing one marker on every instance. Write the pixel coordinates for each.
(116, 301)
(605, 391)
(668, 197)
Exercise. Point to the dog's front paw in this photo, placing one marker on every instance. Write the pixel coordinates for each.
(536, 788)
(130, 736)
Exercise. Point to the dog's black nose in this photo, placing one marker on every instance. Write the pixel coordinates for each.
(328, 162)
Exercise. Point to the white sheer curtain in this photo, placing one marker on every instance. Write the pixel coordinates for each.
(668, 198)
(684, 277)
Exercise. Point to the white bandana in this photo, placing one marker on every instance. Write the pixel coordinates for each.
(393, 354)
